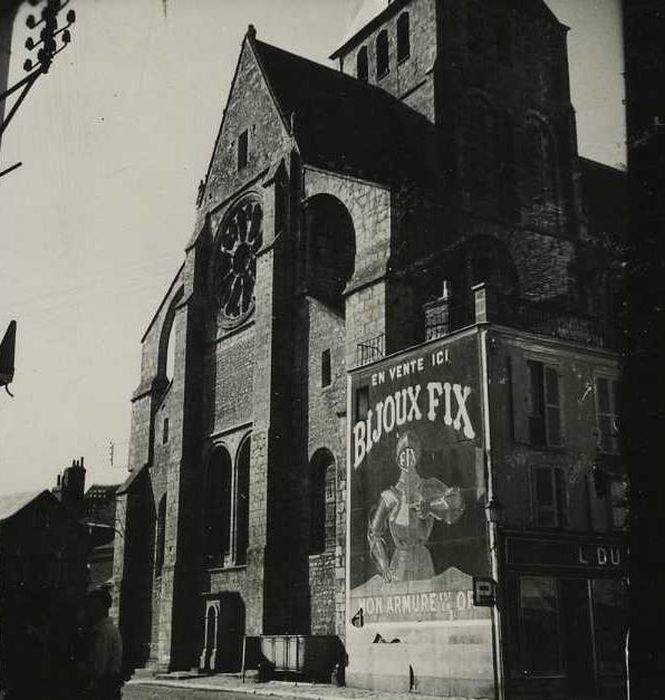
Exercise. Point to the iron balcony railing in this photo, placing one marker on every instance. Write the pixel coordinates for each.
(371, 350)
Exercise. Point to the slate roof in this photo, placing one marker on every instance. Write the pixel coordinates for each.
(348, 126)
(12, 503)
(604, 194)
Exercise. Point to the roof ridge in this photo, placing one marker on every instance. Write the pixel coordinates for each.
(369, 88)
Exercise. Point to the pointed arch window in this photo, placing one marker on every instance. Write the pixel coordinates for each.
(540, 156)
(242, 503)
(479, 136)
(362, 65)
(382, 59)
(322, 502)
(217, 516)
(403, 37)
(160, 536)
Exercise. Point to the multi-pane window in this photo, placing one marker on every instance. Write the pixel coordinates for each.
(607, 415)
(403, 37)
(382, 61)
(544, 405)
(362, 65)
(326, 371)
(549, 497)
(243, 149)
(539, 609)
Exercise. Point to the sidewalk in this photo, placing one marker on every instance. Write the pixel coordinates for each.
(229, 683)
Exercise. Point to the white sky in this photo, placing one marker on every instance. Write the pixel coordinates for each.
(114, 141)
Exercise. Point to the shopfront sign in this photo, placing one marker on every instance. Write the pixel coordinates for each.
(483, 591)
(573, 554)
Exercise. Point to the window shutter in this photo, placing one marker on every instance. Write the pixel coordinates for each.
(537, 434)
(552, 406)
(519, 379)
(560, 492)
(545, 497)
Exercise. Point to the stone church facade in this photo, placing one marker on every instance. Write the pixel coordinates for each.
(337, 207)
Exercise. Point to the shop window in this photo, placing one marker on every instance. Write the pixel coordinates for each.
(539, 639)
(403, 37)
(322, 502)
(242, 503)
(362, 66)
(619, 503)
(382, 61)
(362, 402)
(160, 538)
(544, 405)
(609, 609)
(607, 418)
(326, 372)
(549, 492)
(243, 149)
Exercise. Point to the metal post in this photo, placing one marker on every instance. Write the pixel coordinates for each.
(492, 525)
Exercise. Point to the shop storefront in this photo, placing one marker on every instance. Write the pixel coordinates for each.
(564, 615)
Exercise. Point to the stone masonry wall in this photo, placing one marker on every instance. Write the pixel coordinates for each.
(412, 75)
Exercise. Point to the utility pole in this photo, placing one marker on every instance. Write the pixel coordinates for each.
(51, 36)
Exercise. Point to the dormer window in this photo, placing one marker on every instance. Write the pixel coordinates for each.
(403, 38)
(243, 149)
(362, 66)
(382, 64)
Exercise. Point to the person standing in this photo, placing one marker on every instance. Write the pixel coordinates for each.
(102, 665)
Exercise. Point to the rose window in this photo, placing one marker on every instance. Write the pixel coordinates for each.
(235, 264)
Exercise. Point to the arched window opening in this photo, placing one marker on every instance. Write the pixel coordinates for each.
(160, 537)
(362, 65)
(242, 502)
(403, 37)
(382, 60)
(479, 136)
(167, 342)
(170, 353)
(217, 517)
(322, 502)
(489, 261)
(331, 249)
(540, 156)
(505, 149)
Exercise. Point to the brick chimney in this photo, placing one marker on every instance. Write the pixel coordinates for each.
(71, 486)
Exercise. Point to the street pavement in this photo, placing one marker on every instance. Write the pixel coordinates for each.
(134, 691)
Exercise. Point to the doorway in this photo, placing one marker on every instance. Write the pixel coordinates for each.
(223, 634)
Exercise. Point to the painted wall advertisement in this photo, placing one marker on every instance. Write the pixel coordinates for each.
(417, 524)
(417, 486)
